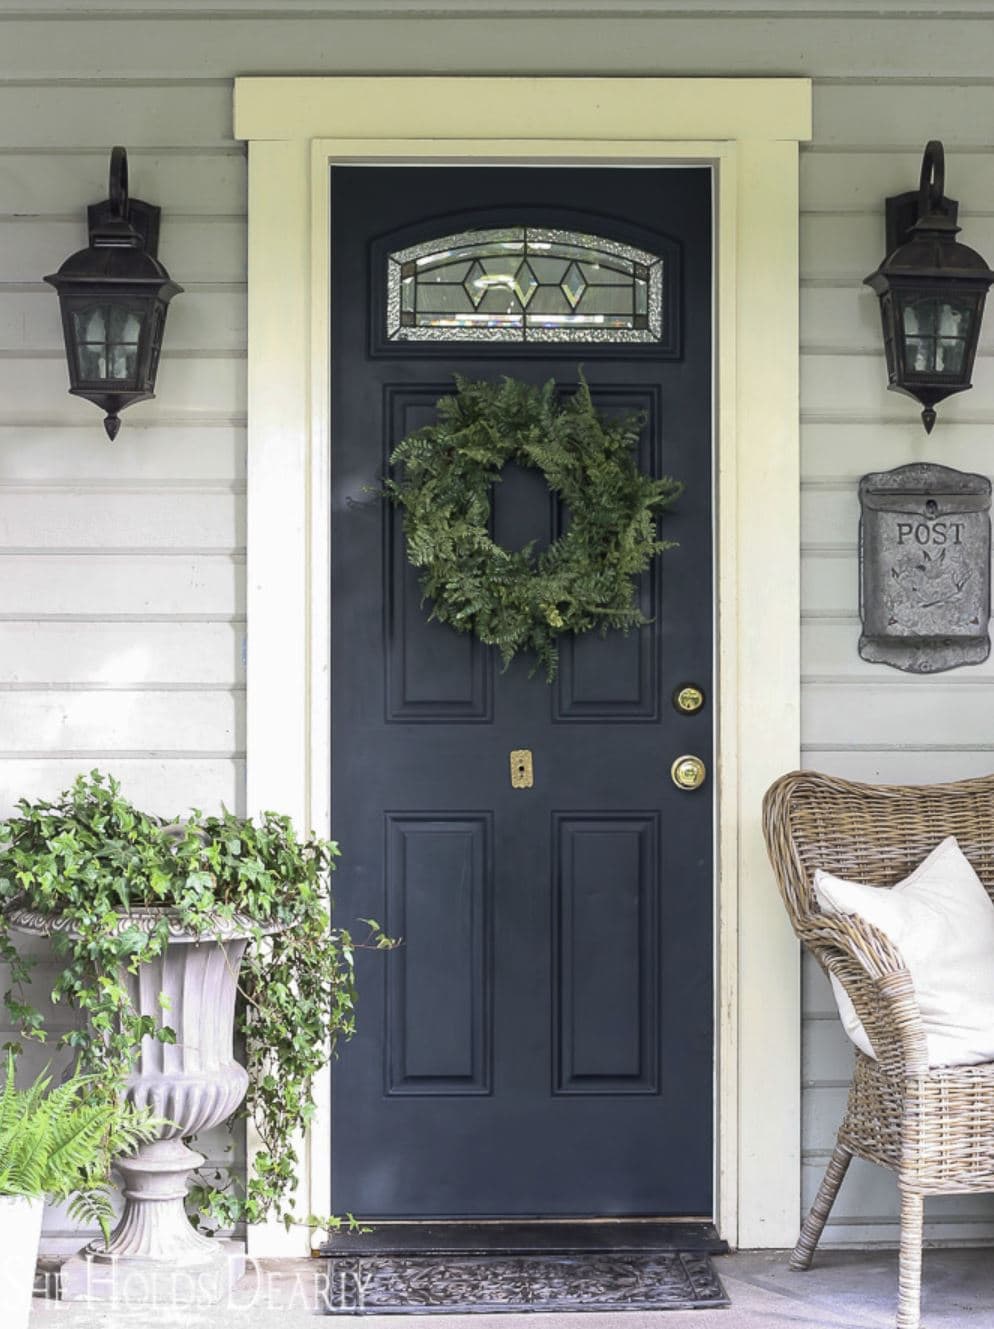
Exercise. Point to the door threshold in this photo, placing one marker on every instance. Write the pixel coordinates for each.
(569, 1236)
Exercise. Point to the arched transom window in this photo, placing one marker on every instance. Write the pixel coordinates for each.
(524, 284)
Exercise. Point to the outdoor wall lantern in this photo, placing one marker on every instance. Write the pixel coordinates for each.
(113, 297)
(931, 291)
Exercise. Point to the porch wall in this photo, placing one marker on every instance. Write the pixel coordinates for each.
(121, 566)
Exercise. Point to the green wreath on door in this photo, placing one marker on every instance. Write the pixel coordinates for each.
(522, 600)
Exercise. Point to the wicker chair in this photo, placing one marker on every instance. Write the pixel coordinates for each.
(934, 1128)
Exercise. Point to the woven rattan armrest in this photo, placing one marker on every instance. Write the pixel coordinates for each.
(871, 969)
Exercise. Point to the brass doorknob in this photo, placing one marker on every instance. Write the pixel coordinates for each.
(688, 772)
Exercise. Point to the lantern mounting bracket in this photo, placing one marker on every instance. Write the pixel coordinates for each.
(142, 217)
(902, 211)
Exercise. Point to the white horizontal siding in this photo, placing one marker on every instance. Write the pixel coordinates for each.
(33, 390)
(851, 448)
(77, 518)
(142, 452)
(200, 45)
(95, 723)
(166, 785)
(119, 656)
(44, 115)
(134, 584)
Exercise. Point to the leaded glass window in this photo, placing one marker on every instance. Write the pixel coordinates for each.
(524, 283)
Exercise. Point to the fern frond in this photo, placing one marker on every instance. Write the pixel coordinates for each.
(93, 1207)
(60, 1142)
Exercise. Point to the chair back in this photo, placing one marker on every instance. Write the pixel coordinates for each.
(871, 833)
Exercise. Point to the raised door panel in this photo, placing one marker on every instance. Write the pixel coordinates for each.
(439, 904)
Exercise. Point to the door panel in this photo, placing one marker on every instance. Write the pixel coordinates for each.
(606, 889)
(438, 896)
(541, 1043)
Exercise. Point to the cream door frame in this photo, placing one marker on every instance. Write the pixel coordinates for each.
(749, 130)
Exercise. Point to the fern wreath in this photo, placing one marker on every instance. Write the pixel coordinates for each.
(522, 600)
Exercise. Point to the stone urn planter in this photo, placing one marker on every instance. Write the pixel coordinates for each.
(195, 1083)
(20, 1231)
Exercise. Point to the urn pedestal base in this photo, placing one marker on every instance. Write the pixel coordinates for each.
(137, 1282)
(155, 1256)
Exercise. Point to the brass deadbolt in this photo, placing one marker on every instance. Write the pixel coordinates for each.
(688, 698)
(688, 772)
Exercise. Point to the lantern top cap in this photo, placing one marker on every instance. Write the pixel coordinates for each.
(930, 251)
(118, 250)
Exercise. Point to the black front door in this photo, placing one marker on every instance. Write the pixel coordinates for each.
(542, 1043)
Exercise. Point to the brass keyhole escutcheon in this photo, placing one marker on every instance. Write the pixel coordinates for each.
(688, 698)
(688, 772)
(522, 769)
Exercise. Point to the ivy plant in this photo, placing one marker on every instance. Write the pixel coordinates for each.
(92, 854)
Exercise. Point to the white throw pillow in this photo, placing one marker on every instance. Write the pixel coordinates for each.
(942, 921)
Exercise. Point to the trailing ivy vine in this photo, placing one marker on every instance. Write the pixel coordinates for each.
(525, 599)
(91, 856)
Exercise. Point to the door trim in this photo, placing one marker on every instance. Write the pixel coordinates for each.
(748, 130)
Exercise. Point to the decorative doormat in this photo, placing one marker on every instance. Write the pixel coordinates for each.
(485, 1284)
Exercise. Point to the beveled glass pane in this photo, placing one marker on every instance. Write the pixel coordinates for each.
(499, 270)
(607, 300)
(446, 272)
(524, 283)
(447, 300)
(600, 274)
(574, 284)
(549, 271)
(549, 300)
(499, 300)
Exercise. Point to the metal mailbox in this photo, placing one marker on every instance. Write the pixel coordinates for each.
(925, 568)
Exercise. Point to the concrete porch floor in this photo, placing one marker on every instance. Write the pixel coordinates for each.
(845, 1290)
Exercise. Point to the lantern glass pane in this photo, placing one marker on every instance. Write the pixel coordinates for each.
(92, 361)
(107, 338)
(937, 330)
(122, 361)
